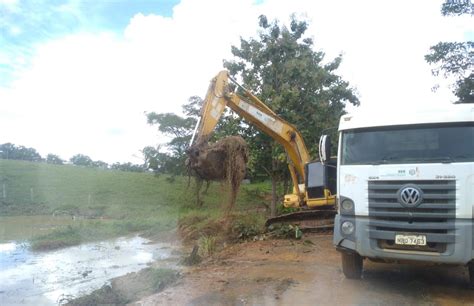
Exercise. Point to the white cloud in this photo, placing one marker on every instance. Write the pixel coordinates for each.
(9, 2)
(87, 93)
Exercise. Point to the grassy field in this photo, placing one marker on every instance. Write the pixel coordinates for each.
(109, 203)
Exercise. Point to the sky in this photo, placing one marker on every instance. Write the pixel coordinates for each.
(78, 76)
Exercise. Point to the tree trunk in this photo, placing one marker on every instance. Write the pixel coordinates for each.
(286, 185)
(274, 188)
(274, 197)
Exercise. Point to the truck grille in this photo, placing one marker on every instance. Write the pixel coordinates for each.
(434, 217)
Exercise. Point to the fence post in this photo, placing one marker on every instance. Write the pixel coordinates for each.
(4, 191)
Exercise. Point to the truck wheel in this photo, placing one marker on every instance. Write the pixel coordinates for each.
(352, 265)
(470, 266)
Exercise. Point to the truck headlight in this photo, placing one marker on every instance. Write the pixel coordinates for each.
(347, 227)
(347, 205)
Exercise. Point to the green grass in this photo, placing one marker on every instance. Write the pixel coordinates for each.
(124, 290)
(109, 203)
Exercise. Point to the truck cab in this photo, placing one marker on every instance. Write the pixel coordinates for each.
(405, 186)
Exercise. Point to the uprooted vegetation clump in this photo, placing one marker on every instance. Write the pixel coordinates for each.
(224, 160)
(211, 231)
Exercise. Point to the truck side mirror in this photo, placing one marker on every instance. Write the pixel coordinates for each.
(324, 148)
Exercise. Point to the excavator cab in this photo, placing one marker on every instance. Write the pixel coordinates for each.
(321, 183)
(320, 186)
(319, 190)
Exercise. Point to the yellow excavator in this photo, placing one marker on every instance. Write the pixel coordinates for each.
(314, 183)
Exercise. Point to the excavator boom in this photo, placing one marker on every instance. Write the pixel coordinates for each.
(255, 112)
(219, 96)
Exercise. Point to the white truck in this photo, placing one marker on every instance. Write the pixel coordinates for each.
(406, 188)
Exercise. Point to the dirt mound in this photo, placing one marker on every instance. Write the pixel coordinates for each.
(224, 160)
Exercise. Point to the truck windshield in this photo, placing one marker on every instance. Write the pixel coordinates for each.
(412, 144)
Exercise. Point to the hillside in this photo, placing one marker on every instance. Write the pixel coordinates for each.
(108, 202)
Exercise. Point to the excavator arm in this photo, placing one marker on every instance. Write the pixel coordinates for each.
(219, 96)
(248, 106)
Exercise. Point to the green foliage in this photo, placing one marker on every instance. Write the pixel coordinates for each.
(54, 159)
(193, 107)
(106, 295)
(160, 162)
(286, 231)
(457, 7)
(87, 230)
(255, 191)
(248, 226)
(207, 245)
(455, 59)
(100, 164)
(81, 160)
(174, 126)
(179, 129)
(127, 167)
(465, 89)
(286, 210)
(452, 57)
(58, 239)
(282, 67)
(154, 159)
(123, 290)
(162, 277)
(11, 151)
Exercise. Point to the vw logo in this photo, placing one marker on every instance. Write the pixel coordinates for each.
(410, 195)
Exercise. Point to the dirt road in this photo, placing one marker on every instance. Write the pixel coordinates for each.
(308, 272)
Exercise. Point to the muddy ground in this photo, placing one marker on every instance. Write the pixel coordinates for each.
(308, 272)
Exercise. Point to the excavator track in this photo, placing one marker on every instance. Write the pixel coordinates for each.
(310, 220)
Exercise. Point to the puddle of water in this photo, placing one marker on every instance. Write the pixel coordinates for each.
(31, 278)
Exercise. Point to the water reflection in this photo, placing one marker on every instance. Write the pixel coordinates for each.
(31, 278)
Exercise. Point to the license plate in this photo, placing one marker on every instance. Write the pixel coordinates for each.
(410, 239)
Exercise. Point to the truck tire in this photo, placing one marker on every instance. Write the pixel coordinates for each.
(470, 266)
(352, 265)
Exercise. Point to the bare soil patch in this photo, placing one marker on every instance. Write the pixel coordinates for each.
(308, 272)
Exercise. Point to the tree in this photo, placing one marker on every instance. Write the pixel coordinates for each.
(81, 160)
(128, 167)
(100, 164)
(177, 127)
(54, 159)
(455, 59)
(180, 129)
(160, 162)
(11, 151)
(282, 68)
